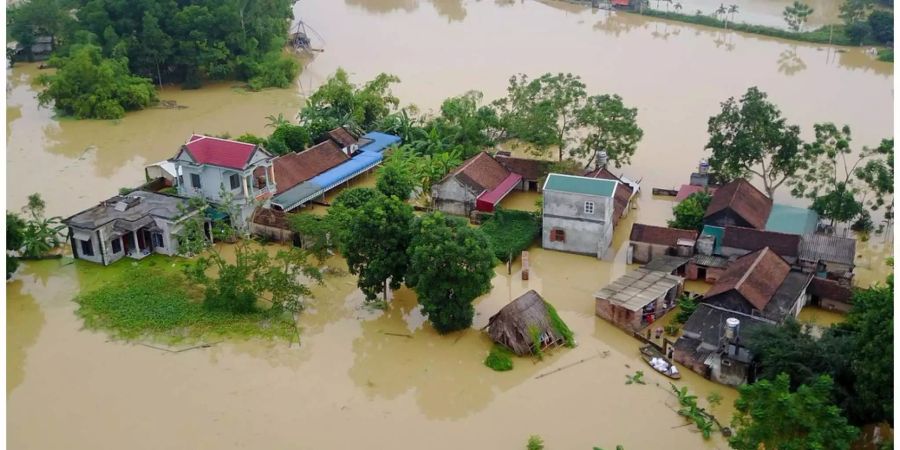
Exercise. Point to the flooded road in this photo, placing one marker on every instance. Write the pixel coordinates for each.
(350, 384)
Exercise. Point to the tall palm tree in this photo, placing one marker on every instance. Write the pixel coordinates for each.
(677, 6)
(733, 9)
(276, 121)
(724, 12)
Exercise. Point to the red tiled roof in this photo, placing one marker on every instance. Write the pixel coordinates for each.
(219, 152)
(293, 168)
(343, 137)
(756, 276)
(480, 172)
(652, 234)
(745, 200)
(751, 239)
(488, 199)
(621, 196)
(530, 169)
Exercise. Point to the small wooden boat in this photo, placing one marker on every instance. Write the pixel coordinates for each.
(648, 352)
(665, 192)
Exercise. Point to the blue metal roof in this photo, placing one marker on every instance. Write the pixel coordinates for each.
(380, 141)
(348, 170)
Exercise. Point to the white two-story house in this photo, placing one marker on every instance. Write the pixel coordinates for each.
(215, 169)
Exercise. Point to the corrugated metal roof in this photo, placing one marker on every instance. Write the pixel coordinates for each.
(666, 263)
(379, 141)
(580, 185)
(816, 247)
(637, 288)
(711, 261)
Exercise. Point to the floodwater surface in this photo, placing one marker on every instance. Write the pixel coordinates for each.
(385, 379)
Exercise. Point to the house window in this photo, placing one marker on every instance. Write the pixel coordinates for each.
(235, 181)
(116, 245)
(588, 207)
(157, 240)
(195, 180)
(557, 235)
(87, 249)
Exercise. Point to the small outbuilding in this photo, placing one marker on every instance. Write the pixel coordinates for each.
(638, 298)
(650, 241)
(514, 324)
(825, 254)
(738, 204)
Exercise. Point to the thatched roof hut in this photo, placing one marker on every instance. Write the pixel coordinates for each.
(512, 326)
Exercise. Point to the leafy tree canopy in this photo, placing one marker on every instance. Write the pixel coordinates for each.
(396, 178)
(87, 85)
(770, 415)
(690, 212)
(450, 265)
(339, 102)
(872, 320)
(749, 136)
(376, 242)
(796, 15)
(611, 127)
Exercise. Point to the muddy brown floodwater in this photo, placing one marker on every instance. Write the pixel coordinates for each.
(350, 383)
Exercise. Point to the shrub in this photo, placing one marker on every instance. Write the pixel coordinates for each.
(499, 359)
(510, 232)
(295, 137)
(858, 31)
(274, 71)
(688, 306)
(535, 443)
(671, 329)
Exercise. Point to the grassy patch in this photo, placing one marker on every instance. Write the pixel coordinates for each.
(886, 54)
(510, 232)
(157, 303)
(557, 323)
(837, 36)
(499, 359)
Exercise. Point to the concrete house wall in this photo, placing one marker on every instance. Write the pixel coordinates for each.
(589, 234)
(692, 272)
(644, 252)
(102, 244)
(453, 197)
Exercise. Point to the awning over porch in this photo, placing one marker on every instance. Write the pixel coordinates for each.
(489, 199)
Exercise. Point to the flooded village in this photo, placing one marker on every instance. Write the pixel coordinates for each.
(606, 307)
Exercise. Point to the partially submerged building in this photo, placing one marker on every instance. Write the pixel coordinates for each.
(622, 196)
(834, 295)
(714, 343)
(823, 255)
(361, 157)
(738, 204)
(135, 226)
(480, 183)
(737, 242)
(533, 171)
(225, 171)
(650, 241)
(638, 298)
(514, 324)
(578, 214)
(761, 284)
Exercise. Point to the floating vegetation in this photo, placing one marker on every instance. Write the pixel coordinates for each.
(499, 359)
(638, 378)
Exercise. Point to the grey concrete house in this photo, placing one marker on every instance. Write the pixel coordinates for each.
(215, 169)
(578, 214)
(135, 226)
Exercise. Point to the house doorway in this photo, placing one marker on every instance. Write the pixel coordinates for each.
(701, 273)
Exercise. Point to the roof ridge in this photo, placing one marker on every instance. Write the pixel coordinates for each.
(470, 161)
(203, 136)
(752, 267)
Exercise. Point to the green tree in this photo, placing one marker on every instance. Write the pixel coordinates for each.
(315, 233)
(294, 137)
(396, 178)
(338, 102)
(542, 111)
(254, 277)
(87, 85)
(466, 124)
(797, 14)
(882, 25)
(770, 415)
(611, 127)
(404, 124)
(855, 11)
(15, 239)
(877, 175)
(872, 320)
(450, 265)
(750, 137)
(376, 243)
(30, 19)
(831, 178)
(690, 212)
(40, 234)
